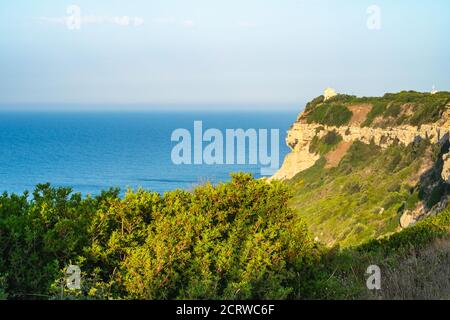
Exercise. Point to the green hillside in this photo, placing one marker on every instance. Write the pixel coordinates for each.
(364, 195)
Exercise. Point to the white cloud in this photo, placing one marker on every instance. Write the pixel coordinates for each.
(75, 20)
(123, 21)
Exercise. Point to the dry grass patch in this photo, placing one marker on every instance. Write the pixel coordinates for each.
(422, 274)
(360, 112)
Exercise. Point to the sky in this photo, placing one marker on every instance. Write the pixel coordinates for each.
(188, 53)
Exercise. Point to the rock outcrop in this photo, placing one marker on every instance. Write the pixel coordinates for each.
(446, 169)
(406, 220)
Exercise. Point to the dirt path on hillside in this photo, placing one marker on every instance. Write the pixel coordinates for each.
(334, 157)
(360, 112)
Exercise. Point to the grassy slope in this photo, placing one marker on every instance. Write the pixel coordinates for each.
(355, 208)
(414, 264)
(364, 197)
(344, 204)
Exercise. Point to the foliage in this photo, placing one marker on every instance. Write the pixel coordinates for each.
(330, 114)
(403, 108)
(414, 265)
(325, 144)
(312, 104)
(365, 195)
(378, 109)
(238, 240)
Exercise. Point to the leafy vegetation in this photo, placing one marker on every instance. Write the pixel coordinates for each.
(312, 104)
(406, 107)
(325, 144)
(331, 115)
(238, 240)
(247, 238)
(414, 263)
(365, 195)
(378, 109)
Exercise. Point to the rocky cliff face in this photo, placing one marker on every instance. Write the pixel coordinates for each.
(302, 133)
(446, 169)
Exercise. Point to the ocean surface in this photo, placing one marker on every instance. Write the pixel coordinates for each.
(90, 152)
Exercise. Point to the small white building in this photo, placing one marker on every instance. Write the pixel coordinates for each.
(433, 90)
(329, 93)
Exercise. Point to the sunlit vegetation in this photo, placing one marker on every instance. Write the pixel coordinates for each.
(366, 194)
(331, 115)
(238, 240)
(325, 144)
(403, 108)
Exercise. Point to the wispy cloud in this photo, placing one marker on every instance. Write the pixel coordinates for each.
(75, 19)
(86, 20)
(123, 21)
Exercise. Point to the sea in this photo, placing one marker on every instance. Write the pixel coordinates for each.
(94, 151)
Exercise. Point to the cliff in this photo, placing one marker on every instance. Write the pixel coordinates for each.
(379, 132)
(364, 168)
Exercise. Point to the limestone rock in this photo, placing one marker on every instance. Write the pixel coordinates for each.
(407, 219)
(294, 163)
(446, 169)
(301, 134)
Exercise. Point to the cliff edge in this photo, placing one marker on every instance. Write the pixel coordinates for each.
(403, 118)
(363, 168)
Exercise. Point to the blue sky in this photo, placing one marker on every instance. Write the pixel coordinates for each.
(210, 52)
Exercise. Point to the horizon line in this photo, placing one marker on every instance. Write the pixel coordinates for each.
(145, 107)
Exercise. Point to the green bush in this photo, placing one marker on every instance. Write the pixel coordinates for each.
(330, 115)
(378, 109)
(393, 110)
(342, 272)
(403, 108)
(312, 104)
(325, 144)
(238, 240)
(419, 235)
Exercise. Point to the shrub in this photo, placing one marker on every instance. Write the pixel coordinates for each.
(236, 240)
(378, 109)
(393, 110)
(312, 104)
(325, 144)
(330, 114)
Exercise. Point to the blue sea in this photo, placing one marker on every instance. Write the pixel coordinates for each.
(90, 152)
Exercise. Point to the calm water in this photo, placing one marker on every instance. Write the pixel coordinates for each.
(91, 152)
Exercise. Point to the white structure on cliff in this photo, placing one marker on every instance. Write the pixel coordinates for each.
(433, 90)
(329, 93)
